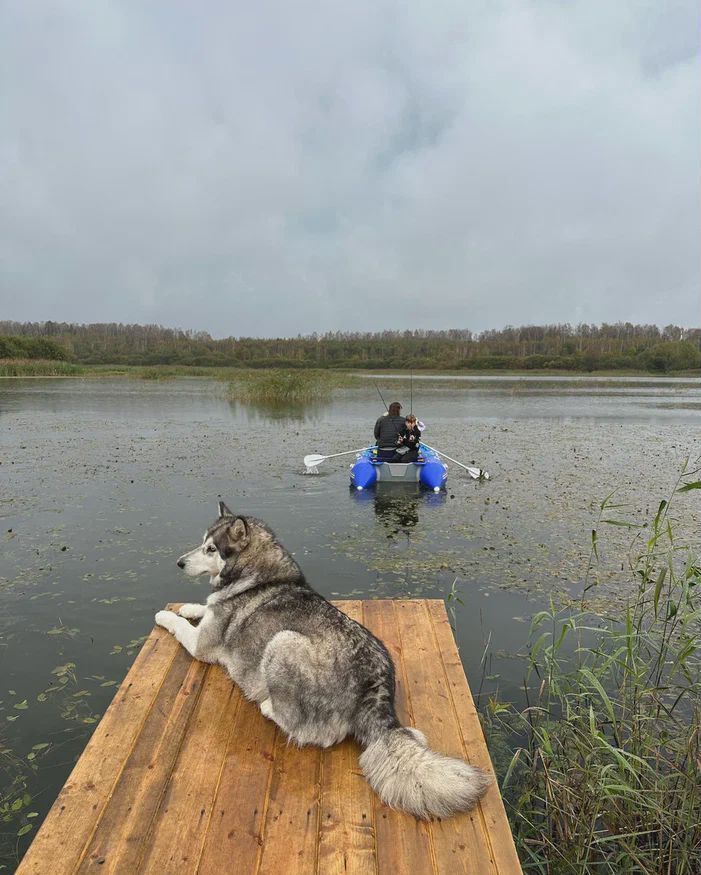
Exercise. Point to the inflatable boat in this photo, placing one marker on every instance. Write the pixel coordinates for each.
(429, 470)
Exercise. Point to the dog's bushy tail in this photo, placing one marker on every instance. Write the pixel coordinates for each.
(405, 773)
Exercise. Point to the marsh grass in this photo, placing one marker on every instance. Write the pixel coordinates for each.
(606, 777)
(158, 372)
(172, 372)
(270, 386)
(286, 387)
(39, 368)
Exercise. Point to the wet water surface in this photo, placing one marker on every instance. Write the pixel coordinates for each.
(104, 483)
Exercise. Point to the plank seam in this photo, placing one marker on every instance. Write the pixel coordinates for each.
(166, 782)
(266, 803)
(221, 769)
(434, 858)
(410, 707)
(319, 782)
(482, 818)
(373, 807)
(137, 735)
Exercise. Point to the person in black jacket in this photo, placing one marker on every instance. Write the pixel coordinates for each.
(408, 441)
(387, 429)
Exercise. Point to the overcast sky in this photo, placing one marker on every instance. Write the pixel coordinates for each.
(267, 168)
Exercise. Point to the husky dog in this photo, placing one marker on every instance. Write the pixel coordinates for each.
(319, 675)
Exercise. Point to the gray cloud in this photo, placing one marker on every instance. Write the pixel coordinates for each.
(277, 168)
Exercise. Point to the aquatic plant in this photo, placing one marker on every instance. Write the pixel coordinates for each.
(277, 387)
(606, 775)
(17, 818)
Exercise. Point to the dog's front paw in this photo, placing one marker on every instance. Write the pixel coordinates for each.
(192, 612)
(166, 619)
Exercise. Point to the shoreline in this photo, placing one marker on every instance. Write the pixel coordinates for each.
(161, 372)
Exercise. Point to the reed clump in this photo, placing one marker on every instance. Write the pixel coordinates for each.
(285, 387)
(606, 776)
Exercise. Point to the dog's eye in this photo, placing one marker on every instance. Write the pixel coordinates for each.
(211, 548)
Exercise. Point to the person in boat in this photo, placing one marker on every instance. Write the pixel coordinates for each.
(408, 441)
(387, 429)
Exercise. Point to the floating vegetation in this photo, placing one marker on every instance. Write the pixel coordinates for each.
(63, 630)
(17, 817)
(131, 648)
(606, 776)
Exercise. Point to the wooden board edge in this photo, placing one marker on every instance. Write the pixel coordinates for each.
(503, 853)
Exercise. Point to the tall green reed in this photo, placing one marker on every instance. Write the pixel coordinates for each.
(606, 775)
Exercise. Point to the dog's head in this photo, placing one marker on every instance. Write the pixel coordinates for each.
(238, 546)
(222, 541)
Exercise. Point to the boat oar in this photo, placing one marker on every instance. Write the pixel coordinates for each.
(314, 459)
(475, 473)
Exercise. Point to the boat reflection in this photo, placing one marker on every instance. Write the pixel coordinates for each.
(397, 505)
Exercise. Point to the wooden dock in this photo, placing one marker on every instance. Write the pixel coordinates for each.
(182, 775)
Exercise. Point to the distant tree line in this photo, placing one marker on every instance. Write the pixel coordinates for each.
(563, 347)
(27, 347)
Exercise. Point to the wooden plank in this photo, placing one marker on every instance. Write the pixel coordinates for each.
(291, 831)
(119, 840)
(182, 819)
(347, 832)
(496, 824)
(380, 618)
(235, 835)
(68, 827)
(459, 843)
(403, 843)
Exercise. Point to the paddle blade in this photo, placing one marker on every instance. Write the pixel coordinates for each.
(313, 460)
(477, 473)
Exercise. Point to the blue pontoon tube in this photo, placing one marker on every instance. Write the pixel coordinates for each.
(429, 470)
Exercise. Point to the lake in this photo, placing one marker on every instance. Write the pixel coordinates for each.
(105, 482)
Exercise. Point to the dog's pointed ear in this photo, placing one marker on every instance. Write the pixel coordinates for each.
(237, 535)
(224, 510)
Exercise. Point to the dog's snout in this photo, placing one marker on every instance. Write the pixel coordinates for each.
(181, 563)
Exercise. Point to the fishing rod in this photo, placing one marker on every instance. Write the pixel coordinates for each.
(381, 398)
(411, 391)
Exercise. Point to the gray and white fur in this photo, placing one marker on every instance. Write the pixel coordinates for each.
(319, 675)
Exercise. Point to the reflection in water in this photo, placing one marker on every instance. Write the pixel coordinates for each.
(402, 523)
(398, 512)
(397, 504)
(275, 411)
